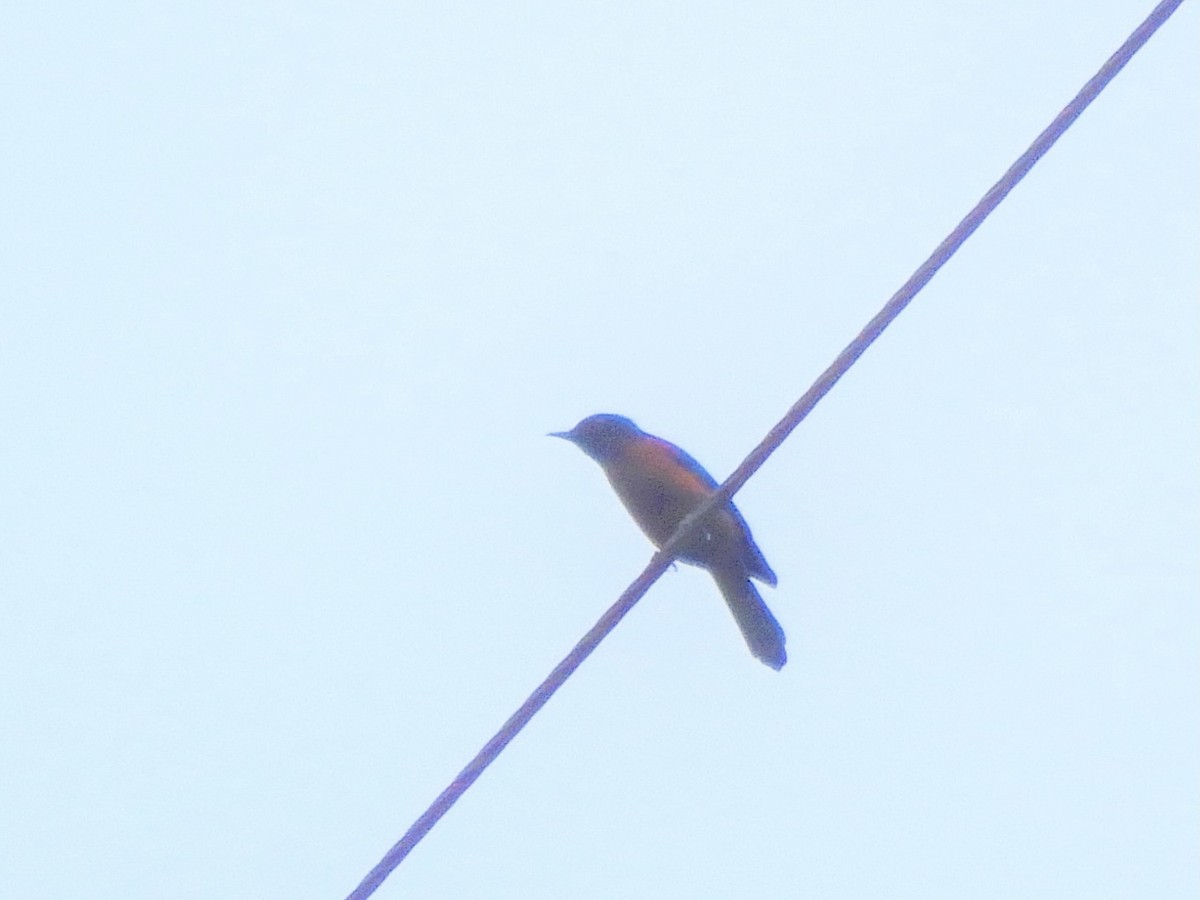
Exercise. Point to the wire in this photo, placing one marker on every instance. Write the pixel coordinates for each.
(661, 560)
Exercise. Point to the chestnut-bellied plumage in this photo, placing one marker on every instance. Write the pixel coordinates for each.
(660, 484)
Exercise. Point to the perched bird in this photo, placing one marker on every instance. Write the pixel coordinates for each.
(660, 484)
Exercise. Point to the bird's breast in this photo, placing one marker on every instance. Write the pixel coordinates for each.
(659, 492)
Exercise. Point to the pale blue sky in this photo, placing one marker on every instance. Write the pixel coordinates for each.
(294, 291)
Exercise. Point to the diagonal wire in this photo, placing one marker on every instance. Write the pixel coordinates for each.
(661, 560)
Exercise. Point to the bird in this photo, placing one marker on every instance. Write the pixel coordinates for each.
(659, 484)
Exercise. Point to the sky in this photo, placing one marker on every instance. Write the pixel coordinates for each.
(292, 294)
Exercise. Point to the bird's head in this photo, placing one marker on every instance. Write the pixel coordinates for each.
(602, 436)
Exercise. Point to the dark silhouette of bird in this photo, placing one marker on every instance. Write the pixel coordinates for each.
(660, 484)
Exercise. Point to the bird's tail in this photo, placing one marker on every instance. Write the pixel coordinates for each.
(763, 634)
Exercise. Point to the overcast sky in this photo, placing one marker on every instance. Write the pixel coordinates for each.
(292, 294)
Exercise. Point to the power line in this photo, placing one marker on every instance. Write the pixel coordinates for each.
(661, 560)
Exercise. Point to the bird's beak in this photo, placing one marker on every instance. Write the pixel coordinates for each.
(565, 435)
